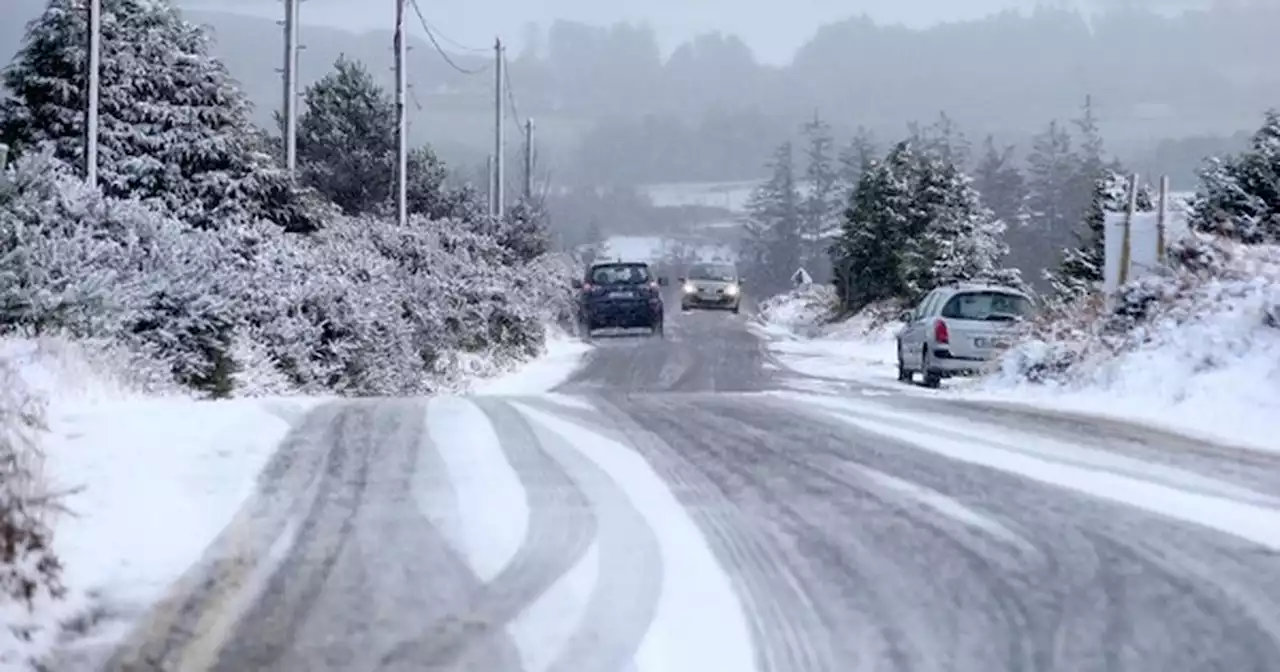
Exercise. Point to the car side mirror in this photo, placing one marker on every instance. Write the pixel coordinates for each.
(905, 316)
(680, 279)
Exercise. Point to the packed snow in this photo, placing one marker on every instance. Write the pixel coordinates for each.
(1184, 495)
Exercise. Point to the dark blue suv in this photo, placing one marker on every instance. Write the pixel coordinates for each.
(621, 294)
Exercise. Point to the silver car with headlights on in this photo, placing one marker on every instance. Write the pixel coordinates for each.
(711, 285)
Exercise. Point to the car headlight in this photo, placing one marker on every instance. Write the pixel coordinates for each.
(731, 290)
(689, 288)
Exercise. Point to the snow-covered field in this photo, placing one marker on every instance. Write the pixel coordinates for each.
(153, 480)
(1216, 376)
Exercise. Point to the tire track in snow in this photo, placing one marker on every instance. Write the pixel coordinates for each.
(622, 604)
(560, 530)
(778, 611)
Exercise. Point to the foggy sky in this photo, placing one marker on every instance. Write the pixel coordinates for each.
(774, 30)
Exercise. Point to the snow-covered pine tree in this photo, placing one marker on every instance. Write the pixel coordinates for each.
(174, 129)
(821, 204)
(347, 150)
(868, 255)
(854, 159)
(347, 139)
(1080, 272)
(1239, 197)
(772, 243)
(954, 236)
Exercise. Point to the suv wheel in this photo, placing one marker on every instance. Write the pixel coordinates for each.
(904, 376)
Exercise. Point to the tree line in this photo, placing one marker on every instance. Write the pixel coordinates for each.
(888, 226)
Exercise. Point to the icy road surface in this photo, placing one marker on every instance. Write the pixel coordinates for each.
(678, 506)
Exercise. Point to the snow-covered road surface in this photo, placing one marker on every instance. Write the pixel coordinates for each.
(677, 506)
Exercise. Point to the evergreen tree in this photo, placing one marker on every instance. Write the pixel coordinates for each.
(1081, 270)
(867, 257)
(347, 139)
(953, 236)
(821, 205)
(1052, 175)
(347, 151)
(1239, 197)
(855, 158)
(772, 245)
(174, 129)
(1001, 184)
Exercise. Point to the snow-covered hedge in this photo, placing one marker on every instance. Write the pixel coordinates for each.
(1214, 315)
(362, 307)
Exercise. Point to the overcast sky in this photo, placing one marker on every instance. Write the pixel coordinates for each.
(773, 29)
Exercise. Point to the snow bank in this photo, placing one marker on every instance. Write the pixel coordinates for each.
(804, 337)
(117, 448)
(802, 311)
(1198, 348)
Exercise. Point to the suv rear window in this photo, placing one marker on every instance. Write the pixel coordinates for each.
(994, 306)
(620, 274)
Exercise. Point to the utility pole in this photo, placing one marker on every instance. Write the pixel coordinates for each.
(488, 177)
(402, 139)
(93, 89)
(499, 140)
(290, 106)
(528, 161)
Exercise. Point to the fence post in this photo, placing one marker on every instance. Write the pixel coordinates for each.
(1126, 242)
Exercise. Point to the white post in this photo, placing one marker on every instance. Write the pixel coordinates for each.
(92, 92)
(499, 139)
(290, 95)
(402, 140)
(1126, 243)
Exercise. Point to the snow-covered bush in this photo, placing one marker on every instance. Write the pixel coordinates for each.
(78, 263)
(803, 309)
(1203, 315)
(363, 306)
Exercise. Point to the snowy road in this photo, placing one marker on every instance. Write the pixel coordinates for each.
(678, 506)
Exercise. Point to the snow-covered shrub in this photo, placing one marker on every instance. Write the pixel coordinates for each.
(75, 262)
(803, 309)
(1204, 315)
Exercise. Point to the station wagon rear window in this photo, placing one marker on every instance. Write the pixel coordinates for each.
(994, 306)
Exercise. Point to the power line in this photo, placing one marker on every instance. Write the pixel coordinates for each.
(440, 50)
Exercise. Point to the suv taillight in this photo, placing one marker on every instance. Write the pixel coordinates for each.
(940, 333)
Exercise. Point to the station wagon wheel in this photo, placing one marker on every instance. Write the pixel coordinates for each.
(931, 378)
(904, 376)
